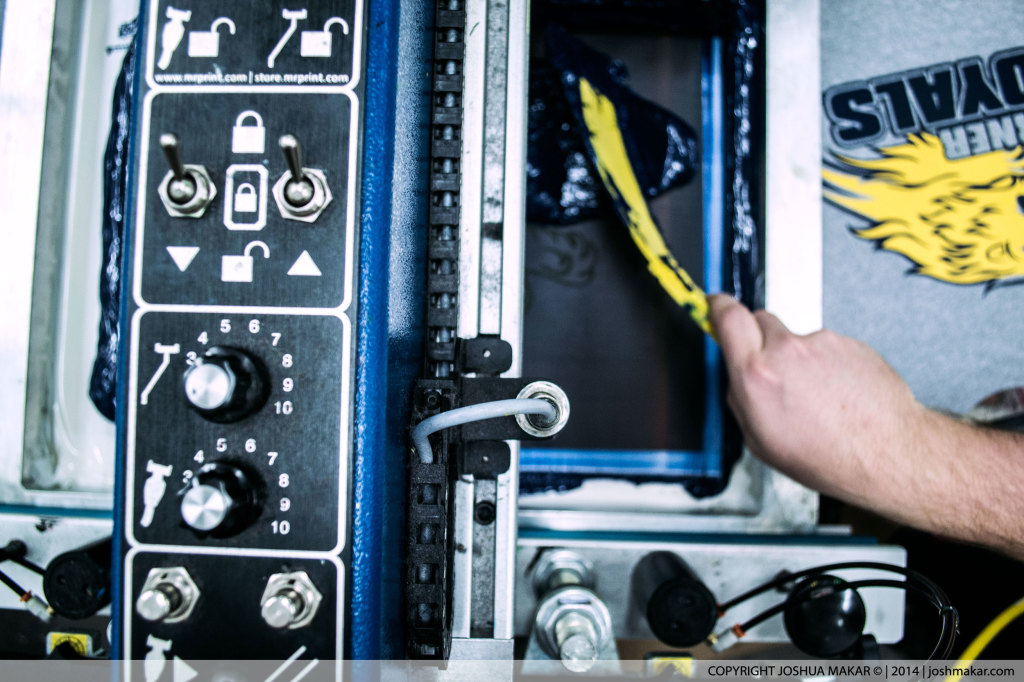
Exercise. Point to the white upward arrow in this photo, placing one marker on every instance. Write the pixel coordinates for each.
(183, 255)
(304, 266)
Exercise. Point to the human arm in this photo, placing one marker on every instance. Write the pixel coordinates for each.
(829, 412)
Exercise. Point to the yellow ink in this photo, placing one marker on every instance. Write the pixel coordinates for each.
(959, 220)
(617, 175)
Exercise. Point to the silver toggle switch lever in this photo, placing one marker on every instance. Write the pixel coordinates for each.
(301, 193)
(299, 190)
(187, 189)
(182, 187)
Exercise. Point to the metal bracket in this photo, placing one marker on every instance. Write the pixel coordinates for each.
(488, 355)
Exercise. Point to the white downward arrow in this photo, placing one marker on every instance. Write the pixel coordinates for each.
(183, 255)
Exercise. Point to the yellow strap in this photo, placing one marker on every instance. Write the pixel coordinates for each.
(619, 179)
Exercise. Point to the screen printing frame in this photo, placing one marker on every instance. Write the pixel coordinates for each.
(756, 499)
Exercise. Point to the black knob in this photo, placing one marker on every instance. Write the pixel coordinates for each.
(226, 384)
(823, 617)
(680, 609)
(222, 500)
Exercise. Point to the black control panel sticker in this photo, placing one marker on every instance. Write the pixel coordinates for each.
(260, 237)
(253, 44)
(243, 417)
(190, 642)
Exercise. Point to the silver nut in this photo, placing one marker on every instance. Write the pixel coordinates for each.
(534, 424)
(561, 567)
(318, 200)
(569, 612)
(202, 196)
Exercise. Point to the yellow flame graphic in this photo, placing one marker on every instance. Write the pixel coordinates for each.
(959, 220)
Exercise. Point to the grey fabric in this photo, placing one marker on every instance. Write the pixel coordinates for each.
(954, 344)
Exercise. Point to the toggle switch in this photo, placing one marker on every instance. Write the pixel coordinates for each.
(187, 189)
(301, 193)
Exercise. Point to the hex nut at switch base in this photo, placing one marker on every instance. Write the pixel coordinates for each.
(312, 209)
(168, 595)
(290, 600)
(204, 195)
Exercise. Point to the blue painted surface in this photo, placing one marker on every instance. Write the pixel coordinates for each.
(713, 169)
(364, 621)
(68, 512)
(662, 463)
(127, 247)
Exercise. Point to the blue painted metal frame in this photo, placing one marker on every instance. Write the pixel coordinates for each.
(676, 464)
(370, 461)
(123, 352)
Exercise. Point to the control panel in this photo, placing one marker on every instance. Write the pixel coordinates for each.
(241, 318)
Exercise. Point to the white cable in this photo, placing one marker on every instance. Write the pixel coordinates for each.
(473, 413)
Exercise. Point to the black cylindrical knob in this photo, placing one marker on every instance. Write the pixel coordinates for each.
(680, 609)
(823, 618)
(226, 384)
(222, 500)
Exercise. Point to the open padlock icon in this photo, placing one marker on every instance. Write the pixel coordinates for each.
(207, 43)
(245, 198)
(318, 43)
(248, 139)
(239, 268)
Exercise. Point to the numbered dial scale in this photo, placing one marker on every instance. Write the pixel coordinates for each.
(243, 430)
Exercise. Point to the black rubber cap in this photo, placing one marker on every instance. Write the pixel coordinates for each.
(821, 620)
(682, 612)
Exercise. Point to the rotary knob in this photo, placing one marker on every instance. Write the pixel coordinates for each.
(221, 501)
(226, 384)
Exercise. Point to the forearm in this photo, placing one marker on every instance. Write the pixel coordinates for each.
(829, 412)
(949, 478)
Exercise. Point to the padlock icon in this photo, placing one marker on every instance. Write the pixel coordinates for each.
(248, 139)
(245, 198)
(239, 268)
(318, 43)
(207, 43)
